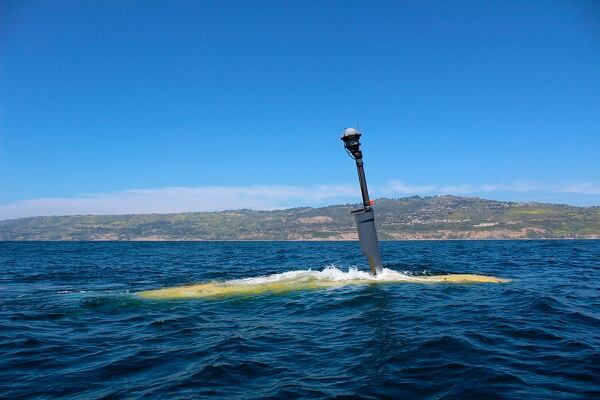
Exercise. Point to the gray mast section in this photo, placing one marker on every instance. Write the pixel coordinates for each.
(364, 217)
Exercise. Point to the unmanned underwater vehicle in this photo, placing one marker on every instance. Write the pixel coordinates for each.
(330, 277)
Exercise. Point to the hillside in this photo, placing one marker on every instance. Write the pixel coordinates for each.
(437, 217)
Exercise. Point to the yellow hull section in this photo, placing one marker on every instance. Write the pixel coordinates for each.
(305, 280)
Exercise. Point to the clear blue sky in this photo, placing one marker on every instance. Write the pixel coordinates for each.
(100, 99)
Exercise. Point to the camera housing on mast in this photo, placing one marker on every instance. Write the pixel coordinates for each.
(351, 138)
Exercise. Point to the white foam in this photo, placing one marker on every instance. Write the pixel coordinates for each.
(330, 273)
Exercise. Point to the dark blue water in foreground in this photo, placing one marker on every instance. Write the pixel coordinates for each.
(71, 326)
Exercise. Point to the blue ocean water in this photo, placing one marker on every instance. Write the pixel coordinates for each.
(72, 326)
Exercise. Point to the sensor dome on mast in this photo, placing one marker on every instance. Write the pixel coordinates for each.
(350, 132)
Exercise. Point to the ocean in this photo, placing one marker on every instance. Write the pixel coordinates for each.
(74, 325)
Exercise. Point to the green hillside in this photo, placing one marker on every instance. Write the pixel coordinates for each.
(437, 217)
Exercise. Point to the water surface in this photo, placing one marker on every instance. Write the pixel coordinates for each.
(72, 325)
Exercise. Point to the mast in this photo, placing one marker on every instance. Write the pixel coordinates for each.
(364, 217)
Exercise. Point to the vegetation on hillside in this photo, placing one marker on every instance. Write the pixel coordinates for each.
(437, 217)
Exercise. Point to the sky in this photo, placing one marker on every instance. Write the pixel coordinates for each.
(170, 106)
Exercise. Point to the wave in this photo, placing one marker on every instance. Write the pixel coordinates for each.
(309, 279)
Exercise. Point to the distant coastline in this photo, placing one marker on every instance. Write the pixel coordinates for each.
(294, 240)
(410, 218)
